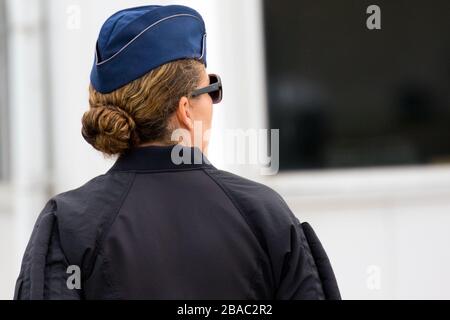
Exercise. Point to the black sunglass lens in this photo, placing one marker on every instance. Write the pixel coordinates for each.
(216, 96)
(212, 78)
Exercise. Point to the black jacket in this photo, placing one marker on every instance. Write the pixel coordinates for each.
(152, 229)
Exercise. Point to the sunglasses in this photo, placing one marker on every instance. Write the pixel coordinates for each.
(214, 89)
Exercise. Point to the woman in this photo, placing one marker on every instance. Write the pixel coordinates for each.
(164, 223)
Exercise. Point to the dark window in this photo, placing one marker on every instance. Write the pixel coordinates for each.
(346, 96)
(4, 116)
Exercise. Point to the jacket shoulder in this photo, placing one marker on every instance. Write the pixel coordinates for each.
(263, 208)
(292, 269)
(68, 231)
(254, 193)
(84, 215)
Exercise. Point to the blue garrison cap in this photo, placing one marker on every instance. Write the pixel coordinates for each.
(134, 41)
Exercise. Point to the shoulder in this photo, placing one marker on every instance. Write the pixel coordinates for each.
(91, 200)
(276, 228)
(263, 207)
(83, 215)
(239, 186)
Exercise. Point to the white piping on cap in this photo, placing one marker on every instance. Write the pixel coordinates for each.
(141, 33)
(203, 46)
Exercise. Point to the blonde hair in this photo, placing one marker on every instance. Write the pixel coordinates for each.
(139, 111)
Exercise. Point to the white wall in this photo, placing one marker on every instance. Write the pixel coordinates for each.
(26, 193)
(393, 219)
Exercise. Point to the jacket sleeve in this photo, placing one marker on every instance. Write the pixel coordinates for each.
(298, 274)
(43, 274)
(306, 269)
(325, 271)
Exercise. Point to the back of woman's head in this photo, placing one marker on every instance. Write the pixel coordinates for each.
(139, 112)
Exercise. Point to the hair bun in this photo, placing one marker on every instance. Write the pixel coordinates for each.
(109, 129)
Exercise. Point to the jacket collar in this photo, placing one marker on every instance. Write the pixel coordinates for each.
(161, 158)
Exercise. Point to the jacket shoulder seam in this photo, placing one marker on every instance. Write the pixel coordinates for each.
(107, 224)
(257, 277)
(235, 204)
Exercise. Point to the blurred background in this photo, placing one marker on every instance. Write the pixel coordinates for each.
(364, 119)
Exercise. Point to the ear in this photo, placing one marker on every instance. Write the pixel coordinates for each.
(183, 114)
